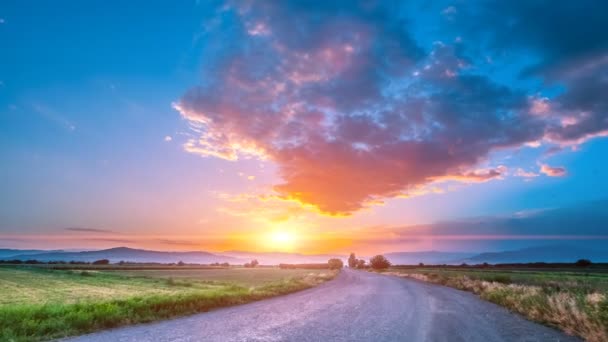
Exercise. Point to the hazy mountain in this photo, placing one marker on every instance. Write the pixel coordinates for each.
(427, 257)
(130, 254)
(548, 253)
(275, 258)
(7, 253)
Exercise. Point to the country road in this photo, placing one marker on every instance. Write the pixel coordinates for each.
(356, 306)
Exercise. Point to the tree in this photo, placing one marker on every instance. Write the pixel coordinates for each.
(335, 264)
(252, 264)
(379, 262)
(352, 260)
(180, 263)
(101, 262)
(360, 263)
(583, 263)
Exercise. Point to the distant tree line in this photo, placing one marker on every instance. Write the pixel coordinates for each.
(312, 266)
(104, 262)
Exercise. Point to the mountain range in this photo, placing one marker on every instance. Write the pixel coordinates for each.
(547, 253)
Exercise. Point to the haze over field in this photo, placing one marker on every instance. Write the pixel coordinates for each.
(247, 129)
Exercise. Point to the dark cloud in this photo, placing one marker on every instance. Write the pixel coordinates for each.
(353, 110)
(114, 240)
(89, 230)
(569, 40)
(178, 242)
(585, 221)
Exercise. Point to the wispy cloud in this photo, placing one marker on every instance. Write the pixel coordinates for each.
(89, 230)
(553, 171)
(178, 242)
(115, 240)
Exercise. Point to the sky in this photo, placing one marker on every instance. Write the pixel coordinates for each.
(303, 126)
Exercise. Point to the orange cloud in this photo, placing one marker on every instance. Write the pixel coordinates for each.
(553, 171)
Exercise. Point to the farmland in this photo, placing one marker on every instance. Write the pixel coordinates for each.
(40, 303)
(575, 301)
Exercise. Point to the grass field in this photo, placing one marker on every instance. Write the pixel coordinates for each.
(42, 304)
(574, 301)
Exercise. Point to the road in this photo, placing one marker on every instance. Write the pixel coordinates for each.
(356, 306)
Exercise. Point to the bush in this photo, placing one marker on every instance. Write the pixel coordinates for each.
(379, 262)
(583, 263)
(335, 264)
(252, 264)
(101, 262)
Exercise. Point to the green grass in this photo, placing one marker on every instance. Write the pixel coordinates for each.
(576, 302)
(46, 304)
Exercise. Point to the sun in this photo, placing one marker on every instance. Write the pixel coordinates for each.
(282, 237)
(281, 240)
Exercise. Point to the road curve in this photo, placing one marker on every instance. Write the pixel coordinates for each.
(356, 306)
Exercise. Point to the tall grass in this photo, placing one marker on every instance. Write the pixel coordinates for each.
(32, 322)
(576, 311)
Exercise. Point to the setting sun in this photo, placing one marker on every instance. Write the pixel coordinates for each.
(282, 237)
(281, 240)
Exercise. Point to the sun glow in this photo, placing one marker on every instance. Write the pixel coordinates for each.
(282, 240)
(282, 237)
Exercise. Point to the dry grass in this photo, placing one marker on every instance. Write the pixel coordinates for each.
(571, 310)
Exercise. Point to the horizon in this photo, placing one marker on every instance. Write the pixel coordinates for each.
(367, 127)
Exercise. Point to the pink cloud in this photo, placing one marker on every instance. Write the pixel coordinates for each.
(348, 126)
(552, 171)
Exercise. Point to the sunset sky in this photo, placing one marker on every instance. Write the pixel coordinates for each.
(302, 126)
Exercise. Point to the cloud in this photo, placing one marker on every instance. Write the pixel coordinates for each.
(525, 174)
(552, 171)
(178, 242)
(89, 230)
(168, 138)
(115, 240)
(567, 52)
(353, 109)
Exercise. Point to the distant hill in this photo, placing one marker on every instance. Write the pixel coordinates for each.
(129, 254)
(427, 257)
(549, 253)
(7, 253)
(275, 258)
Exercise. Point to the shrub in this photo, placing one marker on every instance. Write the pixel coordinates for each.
(335, 264)
(101, 262)
(252, 264)
(583, 263)
(379, 262)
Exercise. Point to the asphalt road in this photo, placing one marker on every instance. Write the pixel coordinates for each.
(356, 306)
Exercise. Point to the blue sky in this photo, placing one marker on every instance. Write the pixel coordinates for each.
(214, 122)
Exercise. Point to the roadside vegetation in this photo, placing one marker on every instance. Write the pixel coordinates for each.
(39, 303)
(573, 299)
